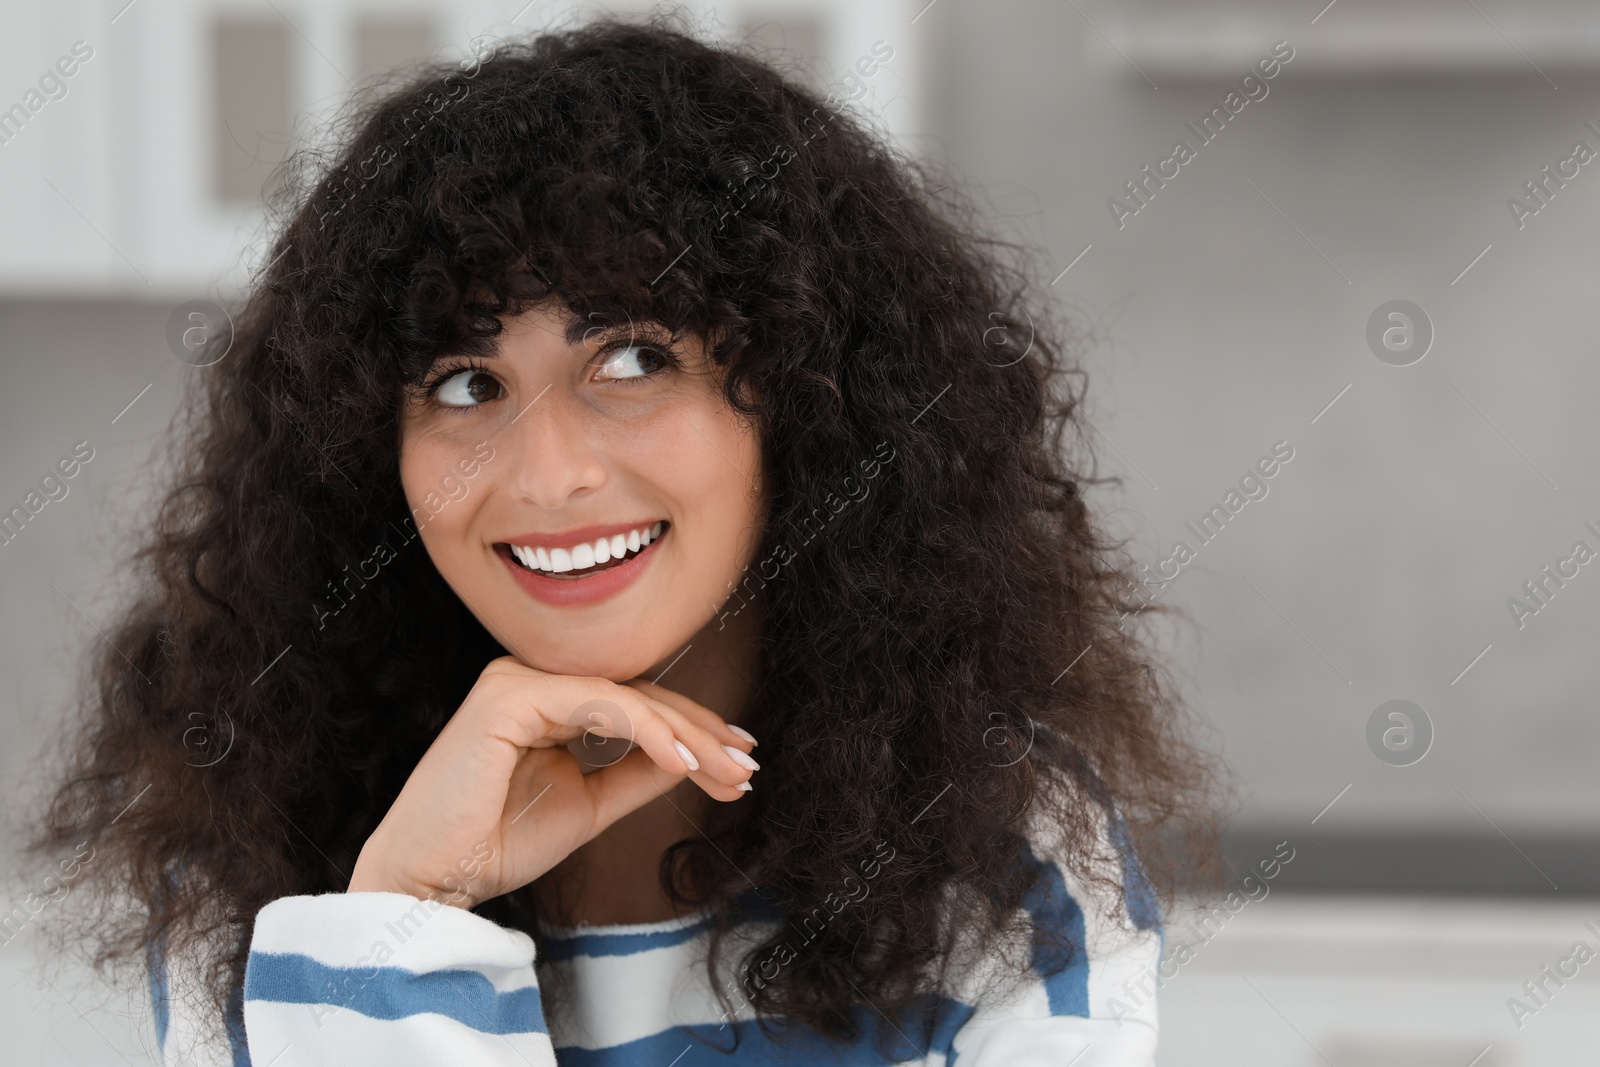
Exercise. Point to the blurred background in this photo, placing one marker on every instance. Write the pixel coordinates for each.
(1379, 262)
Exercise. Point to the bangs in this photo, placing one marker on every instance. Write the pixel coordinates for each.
(498, 242)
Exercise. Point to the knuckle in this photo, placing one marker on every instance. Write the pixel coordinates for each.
(603, 714)
(504, 723)
(500, 665)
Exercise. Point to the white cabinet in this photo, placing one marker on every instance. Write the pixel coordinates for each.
(135, 174)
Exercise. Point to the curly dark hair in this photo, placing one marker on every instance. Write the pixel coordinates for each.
(942, 659)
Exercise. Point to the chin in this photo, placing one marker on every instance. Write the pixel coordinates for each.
(593, 663)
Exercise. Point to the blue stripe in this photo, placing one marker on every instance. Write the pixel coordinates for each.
(1064, 968)
(1144, 908)
(569, 946)
(790, 1045)
(394, 993)
(157, 973)
(160, 999)
(749, 905)
(237, 1042)
(1143, 904)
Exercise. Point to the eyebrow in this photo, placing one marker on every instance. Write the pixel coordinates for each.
(578, 328)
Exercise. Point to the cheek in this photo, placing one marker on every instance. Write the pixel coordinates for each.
(437, 496)
(419, 470)
(737, 510)
(719, 489)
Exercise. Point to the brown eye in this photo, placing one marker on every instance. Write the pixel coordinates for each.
(468, 389)
(634, 361)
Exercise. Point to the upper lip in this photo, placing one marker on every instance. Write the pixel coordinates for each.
(580, 534)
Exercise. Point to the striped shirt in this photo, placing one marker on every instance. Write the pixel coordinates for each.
(384, 978)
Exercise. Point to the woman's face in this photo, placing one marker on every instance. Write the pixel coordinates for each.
(530, 471)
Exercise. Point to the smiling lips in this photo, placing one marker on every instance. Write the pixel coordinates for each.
(579, 558)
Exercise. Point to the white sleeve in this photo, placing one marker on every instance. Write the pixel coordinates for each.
(1092, 1004)
(348, 978)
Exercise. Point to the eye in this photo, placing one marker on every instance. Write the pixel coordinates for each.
(467, 388)
(632, 362)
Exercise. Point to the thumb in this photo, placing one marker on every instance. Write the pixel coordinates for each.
(627, 785)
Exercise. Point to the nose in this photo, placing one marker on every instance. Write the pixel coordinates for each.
(556, 453)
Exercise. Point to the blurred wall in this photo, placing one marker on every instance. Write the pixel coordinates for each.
(1233, 308)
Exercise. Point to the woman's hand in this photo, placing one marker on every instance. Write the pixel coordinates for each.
(498, 800)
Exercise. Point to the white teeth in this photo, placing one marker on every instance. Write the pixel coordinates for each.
(579, 557)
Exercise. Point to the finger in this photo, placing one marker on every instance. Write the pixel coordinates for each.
(729, 741)
(625, 786)
(580, 705)
(721, 762)
(697, 713)
(710, 766)
(566, 707)
(654, 727)
(719, 790)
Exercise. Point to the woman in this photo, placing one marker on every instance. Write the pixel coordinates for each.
(610, 403)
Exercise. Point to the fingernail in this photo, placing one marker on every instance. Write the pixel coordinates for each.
(743, 733)
(688, 757)
(741, 759)
(744, 787)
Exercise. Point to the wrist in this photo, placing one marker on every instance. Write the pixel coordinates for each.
(371, 876)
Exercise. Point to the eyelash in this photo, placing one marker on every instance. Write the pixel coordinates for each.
(451, 367)
(448, 369)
